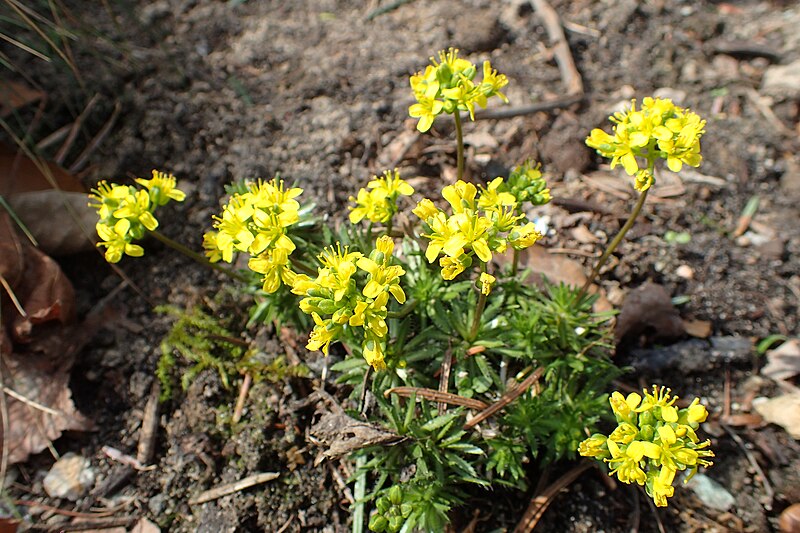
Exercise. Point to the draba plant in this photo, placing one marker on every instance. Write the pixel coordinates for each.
(475, 374)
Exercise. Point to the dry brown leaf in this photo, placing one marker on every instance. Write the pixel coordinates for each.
(557, 269)
(782, 410)
(648, 310)
(698, 328)
(18, 173)
(15, 95)
(145, 526)
(583, 235)
(35, 349)
(783, 362)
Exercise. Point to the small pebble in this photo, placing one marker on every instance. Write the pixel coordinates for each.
(711, 493)
(685, 272)
(70, 477)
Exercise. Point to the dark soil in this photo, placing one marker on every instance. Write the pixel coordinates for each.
(219, 91)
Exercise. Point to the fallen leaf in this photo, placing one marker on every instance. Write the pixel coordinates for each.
(744, 419)
(783, 362)
(49, 201)
(557, 269)
(698, 328)
(648, 310)
(782, 410)
(145, 526)
(37, 349)
(9, 525)
(583, 235)
(15, 95)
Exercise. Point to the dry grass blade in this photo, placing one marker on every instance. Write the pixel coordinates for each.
(437, 396)
(540, 503)
(24, 47)
(230, 488)
(505, 399)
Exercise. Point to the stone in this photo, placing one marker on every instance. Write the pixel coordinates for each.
(711, 493)
(70, 477)
(782, 80)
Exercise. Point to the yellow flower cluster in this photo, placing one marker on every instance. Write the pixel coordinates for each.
(448, 86)
(652, 442)
(256, 222)
(335, 302)
(126, 212)
(379, 203)
(479, 226)
(660, 129)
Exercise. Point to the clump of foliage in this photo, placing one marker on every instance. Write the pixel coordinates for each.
(476, 371)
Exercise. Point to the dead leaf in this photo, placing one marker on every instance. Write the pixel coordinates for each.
(38, 209)
(583, 235)
(698, 328)
(9, 525)
(18, 174)
(341, 434)
(783, 362)
(648, 310)
(752, 420)
(145, 526)
(557, 269)
(50, 201)
(37, 349)
(15, 95)
(46, 382)
(782, 410)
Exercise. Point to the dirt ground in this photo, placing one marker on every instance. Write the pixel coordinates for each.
(216, 91)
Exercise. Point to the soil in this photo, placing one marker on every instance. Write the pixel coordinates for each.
(317, 91)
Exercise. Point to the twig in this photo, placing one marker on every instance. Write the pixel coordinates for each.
(517, 111)
(286, 525)
(243, 390)
(505, 399)
(444, 377)
(73, 132)
(436, 396)
(149, 429)
(236, 486)
(572, 251)
(566, 64)
(96, 140)
(636, 515)
(106, 523)
(5, 425)
(337, 476)
(768, 113)
(539, 504)
(27, 401)
(770, 492)
(65, 512)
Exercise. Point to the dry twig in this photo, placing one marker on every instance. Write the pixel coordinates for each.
(539, 504)
(436, 396)
(236, 486)
(505, 399)
(566, 64)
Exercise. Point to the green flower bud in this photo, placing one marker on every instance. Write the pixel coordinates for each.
(396, 495)
(378, 523)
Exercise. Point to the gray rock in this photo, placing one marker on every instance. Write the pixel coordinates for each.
(711, 493)
(782, 80)
(693, 355)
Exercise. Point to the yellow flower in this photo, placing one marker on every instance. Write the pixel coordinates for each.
(660, 401)
(460, 196)
(493, 82)
(272, 264)
(425, 209)
(623, 406)
(380, 203)
(453, 266)
(486, 281)
(162, 188)
(136, 208)
(426, 109)
(625, 461)
(494, 197)
(594, 446)
(116, 240)
(371, 315)
(212, 251)
(659, 486)
(522, 237)
(382, 276)
(324, 333)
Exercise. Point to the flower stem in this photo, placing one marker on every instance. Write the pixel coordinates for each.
(515, 263)
(479, 307)
(459, 145)
(197, 257)
(614, 243)
(305, 269)
(405, 311)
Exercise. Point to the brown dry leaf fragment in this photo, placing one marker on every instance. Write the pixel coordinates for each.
(782, 410)
(700, 329)
(19, 174)
(45, 382)
(648, 310)
(557, 269)
(15, 95)
(145, 526)
(783, 362)
(343, 434)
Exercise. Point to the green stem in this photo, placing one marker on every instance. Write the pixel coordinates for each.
(614, 243)
(305, 269)
(405, 311)
(197, 257)
(515, 263)
(479, 307)
(459, 145)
